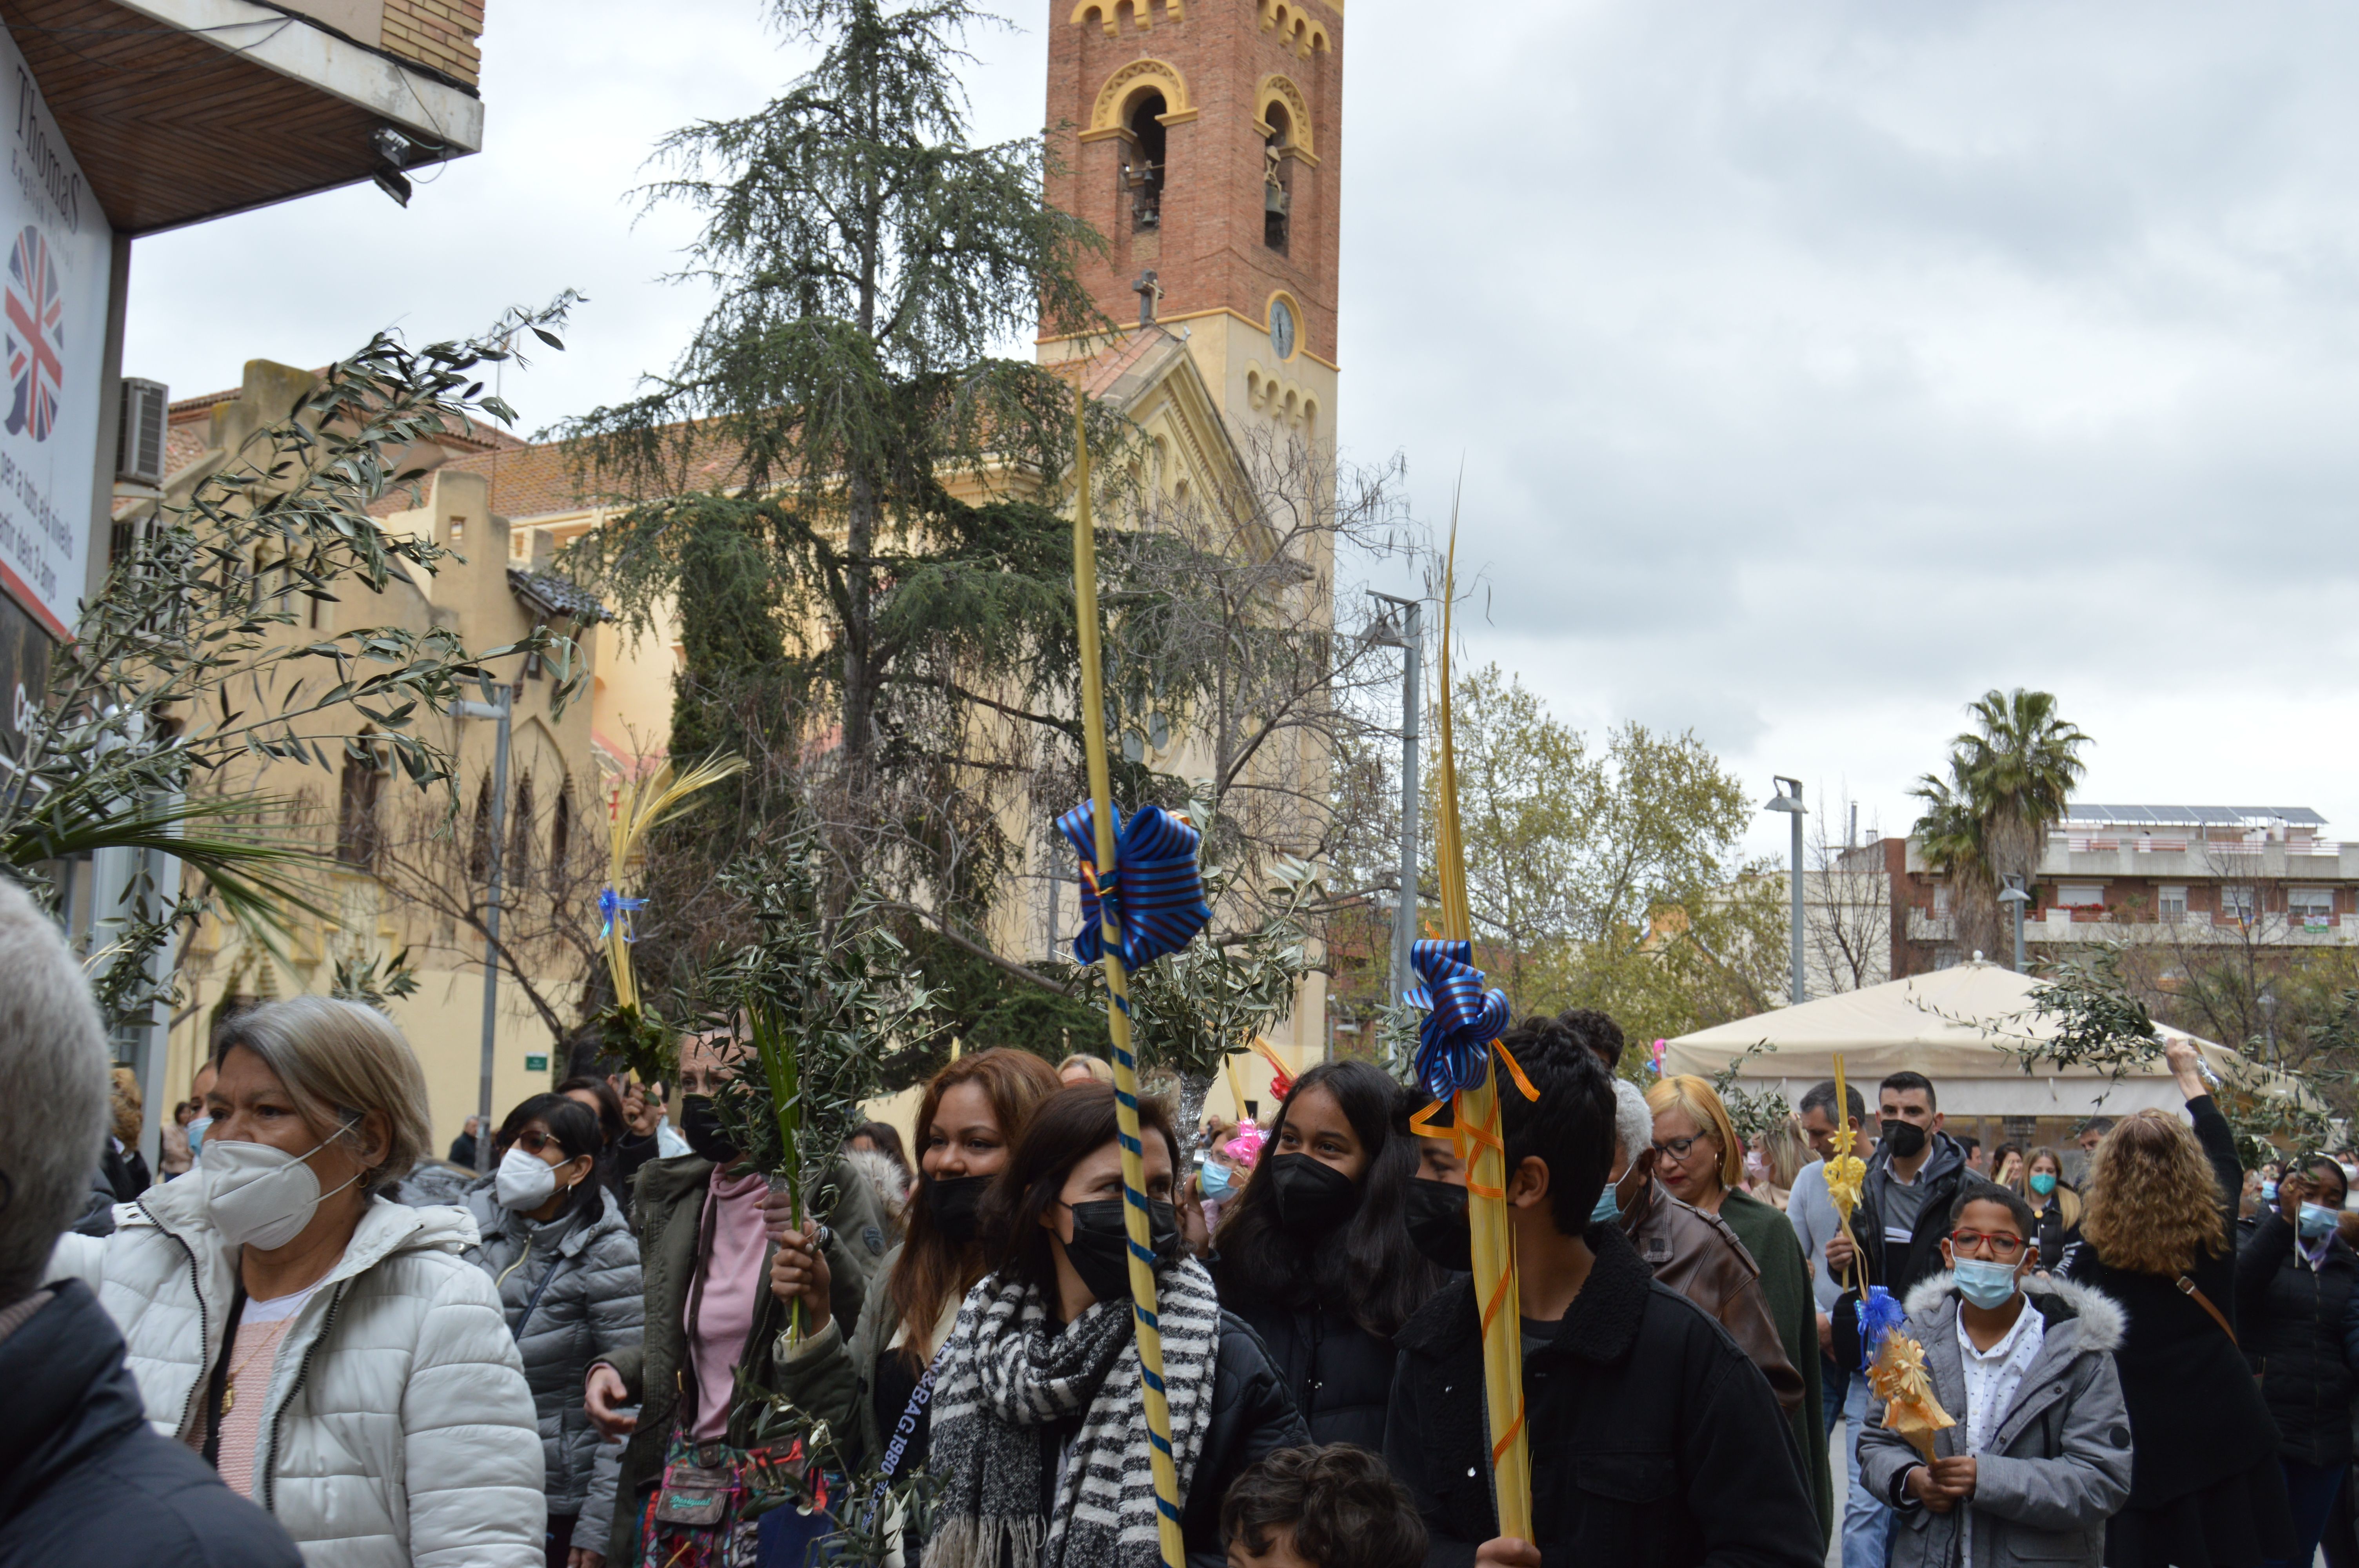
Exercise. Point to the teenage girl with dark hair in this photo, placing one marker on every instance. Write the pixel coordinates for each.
(568, 1273)
(1315, 1254)
(972, 1111)
(1039, 1443)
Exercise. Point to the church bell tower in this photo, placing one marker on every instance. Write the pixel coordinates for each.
(1204, 139)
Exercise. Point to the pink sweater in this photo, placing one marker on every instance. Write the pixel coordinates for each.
(733, 1290)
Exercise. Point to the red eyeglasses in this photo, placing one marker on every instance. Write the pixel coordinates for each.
(2003, 1246)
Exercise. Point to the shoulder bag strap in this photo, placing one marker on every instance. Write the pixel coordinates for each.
(556, 1267)
(2187, 1288)
(708, 1221)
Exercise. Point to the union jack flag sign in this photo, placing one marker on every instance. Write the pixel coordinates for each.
(36, 334)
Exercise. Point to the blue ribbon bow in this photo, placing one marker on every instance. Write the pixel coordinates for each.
(612, 907)
(1154, 894)
(1879, 1314)
(1462, 1019)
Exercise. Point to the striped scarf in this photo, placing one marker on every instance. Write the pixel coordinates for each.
(1008, 1371)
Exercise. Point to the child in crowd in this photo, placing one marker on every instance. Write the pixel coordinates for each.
(2040, 1458)
(1336, 1507)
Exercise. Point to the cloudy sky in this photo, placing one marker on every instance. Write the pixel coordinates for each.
(1814, 367)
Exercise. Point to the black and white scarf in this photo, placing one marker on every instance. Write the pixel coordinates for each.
(1007, 1370)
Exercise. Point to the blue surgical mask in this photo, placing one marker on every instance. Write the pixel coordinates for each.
(2317, 1222)
(197, 1135)
(1213, 1180)
(1605, 1210)
(2268, 1192)
(1985, 1281)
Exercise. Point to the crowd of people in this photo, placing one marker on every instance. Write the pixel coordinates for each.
(303, 1338)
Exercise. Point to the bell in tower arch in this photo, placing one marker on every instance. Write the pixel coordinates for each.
(1277, 200)
(1143, 166)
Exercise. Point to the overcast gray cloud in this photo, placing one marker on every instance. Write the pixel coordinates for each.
(1814, 366)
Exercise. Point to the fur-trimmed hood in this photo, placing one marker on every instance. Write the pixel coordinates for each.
(2101, 1319)
(884, 1178)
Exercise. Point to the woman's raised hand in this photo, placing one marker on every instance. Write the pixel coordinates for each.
(798, 1272)
(2186, 1065)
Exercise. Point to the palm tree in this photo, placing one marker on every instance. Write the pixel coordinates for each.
(1952, 840)
(2009, 780)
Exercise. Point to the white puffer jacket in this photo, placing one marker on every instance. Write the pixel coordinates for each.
(399, 1432)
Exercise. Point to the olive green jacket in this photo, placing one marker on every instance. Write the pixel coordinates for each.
(1786, 1285)
(669, 1204)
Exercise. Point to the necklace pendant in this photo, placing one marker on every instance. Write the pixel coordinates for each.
(229, 1399)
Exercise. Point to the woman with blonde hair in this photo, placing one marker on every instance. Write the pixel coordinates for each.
(325, 1348)
(2206, 1490)
(2056, 1206)
(1699, 1157)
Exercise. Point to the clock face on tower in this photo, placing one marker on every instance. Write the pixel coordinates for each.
(1281, 329)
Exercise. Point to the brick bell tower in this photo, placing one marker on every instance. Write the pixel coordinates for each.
(1204, 139)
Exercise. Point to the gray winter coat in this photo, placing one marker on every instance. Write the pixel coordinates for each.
(590, 1309)
(2057, 1463)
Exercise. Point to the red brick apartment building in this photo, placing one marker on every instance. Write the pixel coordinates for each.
(2241, 875)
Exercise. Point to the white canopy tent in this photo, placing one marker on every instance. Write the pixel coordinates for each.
(1950, 1025)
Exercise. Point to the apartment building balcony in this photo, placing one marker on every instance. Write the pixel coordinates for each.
(2076, 857)
(1925, 927)
(2275, 929)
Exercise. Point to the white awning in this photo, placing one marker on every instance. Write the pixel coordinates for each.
(1950, 1025)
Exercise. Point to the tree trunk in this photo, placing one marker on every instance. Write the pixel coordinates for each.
(859, 622)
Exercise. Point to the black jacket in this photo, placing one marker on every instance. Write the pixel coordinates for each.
(1889, 1264)
(2300, 1338)
(1653, 1439)
(2196, 1417)
(84, 1480)
(1940, 1177)
(1253, 1417)
(2056, 1240)
(1340, 1375)
(126, 1171)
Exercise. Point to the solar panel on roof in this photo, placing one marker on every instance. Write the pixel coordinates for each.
(2094, 813)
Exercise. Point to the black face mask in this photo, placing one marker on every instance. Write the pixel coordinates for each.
(1905, 1138)
(951, 1203)
(699, 1123)
(1100, 1249)
(1436, 1217)
(1314, 1197)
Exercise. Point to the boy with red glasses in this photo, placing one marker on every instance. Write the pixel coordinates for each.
(2040, 1458)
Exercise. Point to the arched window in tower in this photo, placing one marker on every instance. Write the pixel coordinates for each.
(1277, 195)
(1142, 169)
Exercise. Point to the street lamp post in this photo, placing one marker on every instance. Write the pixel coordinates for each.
(498, 712)
(1407, 635)
(1789, 799)
(2015, 898)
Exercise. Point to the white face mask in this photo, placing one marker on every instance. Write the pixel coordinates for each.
(260, 1196)
(523, 1180)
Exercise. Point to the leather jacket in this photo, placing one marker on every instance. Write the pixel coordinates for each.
(1697, 1255)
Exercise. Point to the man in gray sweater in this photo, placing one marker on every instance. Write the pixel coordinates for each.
(1812, 1213)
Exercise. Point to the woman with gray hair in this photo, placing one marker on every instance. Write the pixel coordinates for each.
(328, 1351)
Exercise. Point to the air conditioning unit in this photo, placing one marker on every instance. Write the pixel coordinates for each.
(139, 446)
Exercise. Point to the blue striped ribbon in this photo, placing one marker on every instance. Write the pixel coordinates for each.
(1462, 1019)
(1154, 893)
